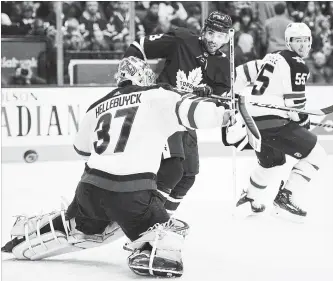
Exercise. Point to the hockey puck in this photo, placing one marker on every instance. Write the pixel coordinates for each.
(30, 156)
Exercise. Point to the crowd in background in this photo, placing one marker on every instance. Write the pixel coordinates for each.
(100, 30)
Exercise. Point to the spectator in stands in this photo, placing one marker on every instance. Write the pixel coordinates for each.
(77, 42)
(296, 10)
(22, 18)
(273, 33)
(164, 26)
(47, 60)
(194, 19)
(239, 5)
(98, 42)
(265, 11)
(244, 50)
(320, 71)
(194, 25)
(37, 28)
(27, 14)
(5, 20)
(119, 22)
(173, 12)
(6, 24)
(91, 18)
(72, 27)
(247, 25)
(328, 51)
(72, 9)
(127, 42)
(330, 12)
(324, 36)
(313, 16)
(151, 19)
(25, 76)
(179, 16)
(16, 12)
(47, 11)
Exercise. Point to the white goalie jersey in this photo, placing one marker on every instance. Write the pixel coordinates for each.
(279, 79)
(124, 133)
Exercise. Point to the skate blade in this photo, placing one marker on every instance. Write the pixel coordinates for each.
(280, 213)
(244, 211)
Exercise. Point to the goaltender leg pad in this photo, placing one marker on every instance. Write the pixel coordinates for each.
(47, 235)
(158, 251)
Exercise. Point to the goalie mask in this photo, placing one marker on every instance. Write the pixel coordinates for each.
(298, 38)
(135, 70)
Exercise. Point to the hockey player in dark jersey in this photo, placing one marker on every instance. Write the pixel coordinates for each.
(280, 80)
(190, 62)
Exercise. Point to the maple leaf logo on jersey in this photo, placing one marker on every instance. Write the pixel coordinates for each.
(298, 59)
(185, 83)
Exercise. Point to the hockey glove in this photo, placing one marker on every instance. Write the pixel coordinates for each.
(203, 91)
(304, 121)
(236, 135)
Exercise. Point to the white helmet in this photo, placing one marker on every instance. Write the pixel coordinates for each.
(297, 29)
(135, 70)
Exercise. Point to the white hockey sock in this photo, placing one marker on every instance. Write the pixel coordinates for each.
(260, 179)
(304, 170)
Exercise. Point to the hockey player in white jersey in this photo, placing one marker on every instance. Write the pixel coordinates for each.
(122, 136)
(280, 79)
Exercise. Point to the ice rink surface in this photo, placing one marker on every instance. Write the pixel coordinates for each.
(219, 247)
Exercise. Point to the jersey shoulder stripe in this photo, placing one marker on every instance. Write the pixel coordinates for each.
(191, 112)
(247, 73)
(295, 62)
(128, 90)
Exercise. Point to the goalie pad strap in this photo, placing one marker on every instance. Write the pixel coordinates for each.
(43, 239)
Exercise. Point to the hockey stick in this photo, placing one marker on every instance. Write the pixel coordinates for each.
(318, 112)
(321, 125)
(233, 106)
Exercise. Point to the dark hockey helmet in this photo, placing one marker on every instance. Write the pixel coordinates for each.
(218, 21)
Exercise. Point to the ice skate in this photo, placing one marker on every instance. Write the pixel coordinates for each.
(246, 207)
(285, 207)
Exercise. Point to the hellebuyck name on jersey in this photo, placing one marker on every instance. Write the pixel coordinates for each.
(118, 101)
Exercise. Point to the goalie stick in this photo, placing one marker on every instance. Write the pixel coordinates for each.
(251, 127)
(318, 112)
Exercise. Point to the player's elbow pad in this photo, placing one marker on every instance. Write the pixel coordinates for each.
(134, 50)
(85, 155)
(200, 114)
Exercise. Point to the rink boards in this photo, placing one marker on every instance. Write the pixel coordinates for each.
(45, 121)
